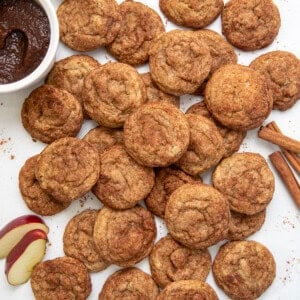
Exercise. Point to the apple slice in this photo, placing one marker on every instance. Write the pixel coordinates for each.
(15, 230)
(25, 256)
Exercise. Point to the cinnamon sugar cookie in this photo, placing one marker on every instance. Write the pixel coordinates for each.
(179, 62)
(250, 24)
(50, 113)
(124, 237)
(244, 270)
(112, 92)
(122, 181)
(139, 26)
(89, 24)
(130, 283)
(170, 261)
(78, 241)
(247, 182)
(157, 134)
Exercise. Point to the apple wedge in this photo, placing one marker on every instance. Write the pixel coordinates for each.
(25, 256)
(15, 230)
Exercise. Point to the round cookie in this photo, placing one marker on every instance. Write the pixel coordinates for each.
(282, 71)
(139, 26)
(112, 92)
(122, 181)
(247, 182)
(170, 261)
(130, 283)
(206, 146)
(197, 216)
(78, 241)
(67, 168)
(244, 269)
(33, 195)
(155, 94)
(50, 113)
(167, 180)
(157, 134)
(195, 14)
(61, 278)
(124, 237)
(238, 97)
(242, 226)
(188, 289)
(89, 24)
(250, 24)
(179, 62)
(232, 139)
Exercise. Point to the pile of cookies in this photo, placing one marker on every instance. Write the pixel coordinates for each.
(146, 148)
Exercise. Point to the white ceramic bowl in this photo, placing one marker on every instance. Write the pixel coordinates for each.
(41, 71)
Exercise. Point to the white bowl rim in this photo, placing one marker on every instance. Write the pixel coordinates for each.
(43, 68)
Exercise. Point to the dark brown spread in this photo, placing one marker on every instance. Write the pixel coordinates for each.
(24, 38)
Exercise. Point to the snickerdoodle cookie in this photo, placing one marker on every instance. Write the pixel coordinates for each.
(238, 97)
(124, 237)
(282, 71)
(206, 146)
(51, 113)
(34, 196)
(122, 181)
(244, 269)
(139, 26)
(186, 290)
(196, 14)
(247, 182)
(157, 134)
(130, 283)
(170, 261)
(61, 278)
(67, 168)
(112, 92)
(250, 24)
(167, 180)
(179, 62)
(78, 241)
(89, 24)
(197, 215)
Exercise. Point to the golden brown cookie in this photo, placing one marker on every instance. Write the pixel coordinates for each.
(247, 182)
(179, 62)
(250, 24)
(89, 24)
(78, 241)
(206, 146)
(196, 14)
(282, 71)
(197, 215)
(232, 139)
(124, 237)
(139, 26)
(155, 94)
(33, 195)
(242, 226)
(61, 278)
(157, 134)
(187, 290)
(50, 113)
(130, 283)
(167, 180)
(244, 269)
(122, 181)
(67, 169)
(170, 261)
(112, 92)
(238, 97)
